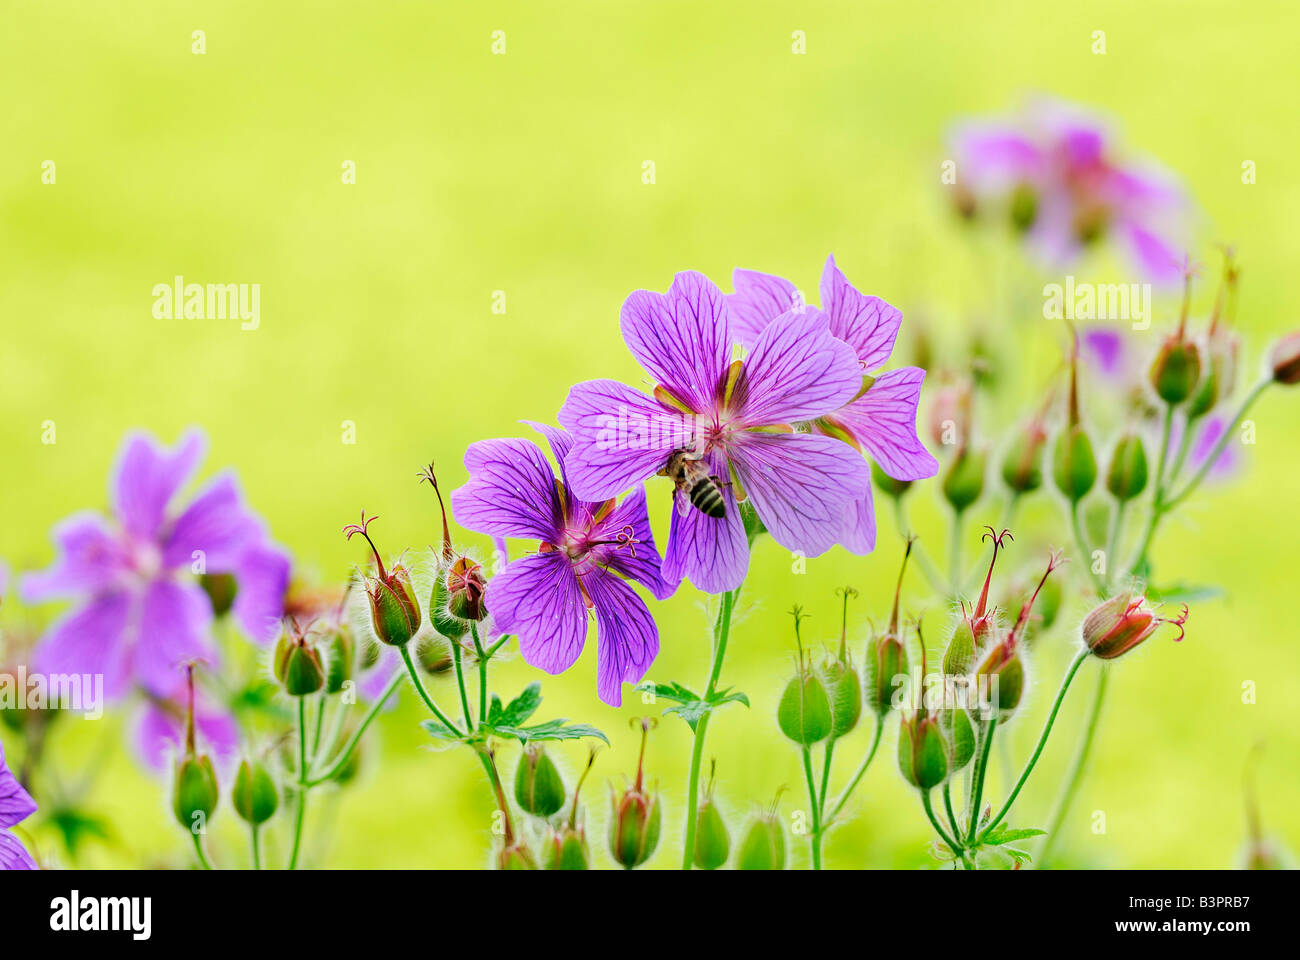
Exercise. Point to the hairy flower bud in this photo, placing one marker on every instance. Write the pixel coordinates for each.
(1022, 467)
(539, 788)
(298, 664)
(1284, 359)
(1127, 476)
(1176, 370)
(804, 713)
(635, 816)
(922, 753)
(566, 849)
(1121, 623)
(712, 841)
(1074, 467)
(340, 658)
(887, 484)
(959, 735)
(763, 845)
(254, 796)
(843, 686)
(959, 655)
(886, 657)
(1004, 670)
(394, 614)
(964, 481)
(195, 793)
(515, 855)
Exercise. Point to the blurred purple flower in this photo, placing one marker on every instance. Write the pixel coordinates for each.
(882, 420)
(142, 613)
(1104, 350)
(160, 731)
(16, 805)
(1208, 432)
(1057, 164)
(732, 417)
(587, 552)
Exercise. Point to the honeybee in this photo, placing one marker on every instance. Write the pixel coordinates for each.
(691, 476)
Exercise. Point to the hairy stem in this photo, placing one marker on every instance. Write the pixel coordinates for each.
(1071, 782)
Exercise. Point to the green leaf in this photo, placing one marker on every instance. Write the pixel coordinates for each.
(727, 696)
(550, 730)
(669, 691)
(520, 708)
(436, 729)
(1004, 834)
(693, 709)
(1020, 856)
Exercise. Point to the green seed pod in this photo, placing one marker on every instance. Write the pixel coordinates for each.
(1176, 370)
(964, 481)
(712, 842)
(393, 611)
(254, 796)
(1022, 467)
(1127, 476)
(465, 588)
(922, 753)
(539, 788)
(453, 628)
(1004, 664)
(886, 659)
(959, 656)
(566, 849)
(959, 733)
(634, 825)
(763, 846)
(340, 658)
(887, 484)
(298, 666)
(804, 713)
(196, 791)
(434, 656)
(844, 691)
(515, 856)
(1074, 468)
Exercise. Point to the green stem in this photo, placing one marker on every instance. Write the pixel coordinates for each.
(341, 760)
(460, 684)
(938, 828)
(1081, 538)
(257, 849)
(826, 777)
(320, 727)
(497, 646)
(947, 805)
(1157, 498)
(862, 769)
(1071, 783)
(721, 631)
(1228, 433)
(198, 850)
(482, 672)
(303, 788)
(815, 838)
(1112, 542)
(954, 555)
(424, 695)
(1042, 740)
(977, 789)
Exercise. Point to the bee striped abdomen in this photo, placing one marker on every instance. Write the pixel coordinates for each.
(706, 497)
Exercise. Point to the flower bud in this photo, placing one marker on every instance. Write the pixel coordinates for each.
(298, 664)
(959, 734)
(539, 788)
(976, 623)
(804, 713)
(763, 845)
(340, 658)
(1284, 359)
(465, 588)
(843, 686)
(922, 753)
(712, 842)
(1176, 370)
(566, 849)
(959, 655)
(1024, 207)
(196, 791)
(434, 656)
(1074, 468)
(254, 796)
(887, 484)
(1004, 671)
(515, 855)
(394, 614)
(635, 816)
(950, 415)
(886, 655)
(1127, 476)
(1121, 623)
(1022, 467)
(964, 482)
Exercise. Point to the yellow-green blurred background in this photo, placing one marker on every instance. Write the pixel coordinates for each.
(523, 173)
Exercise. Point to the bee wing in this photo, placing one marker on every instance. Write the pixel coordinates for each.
(683, 501)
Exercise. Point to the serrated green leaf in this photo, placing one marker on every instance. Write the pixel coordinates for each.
(1004, 835)
(727, 696)
(550, 730)
(519, 709)
(669, 691)
(1020, 856)
(436, 729)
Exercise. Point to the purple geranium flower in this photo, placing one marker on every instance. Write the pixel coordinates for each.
(729, 420)
(587, 551)
(142, 612)
(1058, 163)
(881, 419)
(16, 805)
